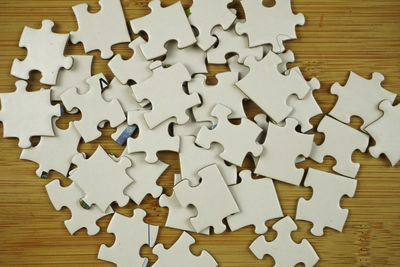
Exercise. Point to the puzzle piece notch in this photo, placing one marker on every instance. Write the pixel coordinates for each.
(360, 97)
(69, 197)
(323, 209)
(385, 133)
(179, 254)
(155, 24)
(237, 140)
(25, 114)
(340, 142)
(192, 57)
(131, 233)
(102, 30)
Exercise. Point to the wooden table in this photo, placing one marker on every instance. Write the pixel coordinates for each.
(339, 36)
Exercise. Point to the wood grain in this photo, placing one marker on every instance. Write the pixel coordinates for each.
(340, 35)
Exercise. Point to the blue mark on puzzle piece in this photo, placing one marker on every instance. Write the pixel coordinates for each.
(128, 132)
(146, 261)
(213, 126)
(308, 131)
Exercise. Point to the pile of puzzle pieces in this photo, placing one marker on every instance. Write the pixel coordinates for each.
(170, 89)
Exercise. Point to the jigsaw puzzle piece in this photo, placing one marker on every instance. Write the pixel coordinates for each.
(192, 57)
(191, 127)
(123, 93)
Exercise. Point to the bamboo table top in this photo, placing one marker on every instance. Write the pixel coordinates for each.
(339, 36)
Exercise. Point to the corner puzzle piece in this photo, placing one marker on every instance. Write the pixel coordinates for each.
(153, 140)
(385, 131)
(137, 68)
(180, 255)
(123, 93)
(211, 198)
(306, 108)
(164, 89)
(191, 127)
(360, 97)
(179, 216)
(269, 88)
(340, 142)
(281, 149)
(101, 30)
(283, 249)
(163, 25)
(123, 132)
(131, 234)
(76, 76)
(237, 140)
(230, 42)
(101, 178)
(55, 152)
(25, 114)
(269, 25)
(323, 209)
(224, 92)
(93, 107)
(203, 157)
(248, 192)
(207, 14)
(69, 197)
(45, 53)
(192, 57)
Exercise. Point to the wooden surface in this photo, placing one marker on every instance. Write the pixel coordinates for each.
(340, 35)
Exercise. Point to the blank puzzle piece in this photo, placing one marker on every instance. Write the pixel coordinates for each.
(180, 255)
(269, 25)
(93, 107)
(283, 249)
(340, 142)
(131, 234)
(164, 89)
(211, 198)
(101, 30)
(269, 88)
(123, 93)
(237, 140)
(257, 200)
(25, 114)
(191, 127)
(101, 178)
(360, 97)
(70, 197)
(192, 57)
(163, 25)
(281, 149)
(224, 92)
(54, 152)
(45, 53)
(385, 131)
(323, 209)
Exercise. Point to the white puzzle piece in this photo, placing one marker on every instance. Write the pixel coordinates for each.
(192, 57)
(164, 89)
(269, 88)
(80, 217)
(93, 107)
(211, 198)
(360, 97)
(179, 254)
(283, 249)
(131, 234)
(191, 127)
(269, 25)
(340, 142)
(45, 53)
(153, 140)
(163, 25)
(237, 140)
(323, 208)
(193, 158)
(102, 30)
(54, 152)
(385, 131)
(25, 114)
(257, 200)
(207, 14)
(123, 93)
(76, 76)
(101, 178)
(224, 92)
(281, 149)
(137, 68)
